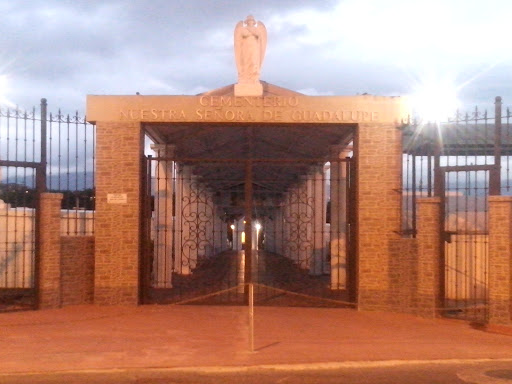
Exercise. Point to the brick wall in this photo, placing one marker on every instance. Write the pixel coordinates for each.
(49, 251)
(378, 151)
(66, 264)
(427, 290)
(500, 259)
(77, 269)
(395, 274)
(118, 158)
(403, 274)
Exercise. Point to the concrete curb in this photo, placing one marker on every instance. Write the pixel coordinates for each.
(274, 367)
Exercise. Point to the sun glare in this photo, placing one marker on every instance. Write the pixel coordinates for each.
(435, 101)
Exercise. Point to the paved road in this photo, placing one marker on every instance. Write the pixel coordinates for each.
(489, 372)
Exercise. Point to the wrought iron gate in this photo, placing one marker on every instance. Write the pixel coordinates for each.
(465, 239)
(213, 226)
(463, 161)
(39, 152)
(22, 173)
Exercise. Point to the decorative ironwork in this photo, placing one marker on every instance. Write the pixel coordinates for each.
(467, 139)
(21, 162)
(18, 113)
(202, 229)
(298, 222)
(466, 243)
(40, 153)
(463, 161)
(197, 224)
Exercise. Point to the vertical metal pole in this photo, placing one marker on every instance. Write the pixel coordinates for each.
(495, 179)
(438, 174)
(41, 172)
(40, 188)
(429, 174)
(251, 317)
(248, 224)
(439, 191)
(441, 299)
(353, 208)
(145, 229)
(413, 197)
(350, 229)
(249, 287)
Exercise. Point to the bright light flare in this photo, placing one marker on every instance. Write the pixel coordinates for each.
(435, 101)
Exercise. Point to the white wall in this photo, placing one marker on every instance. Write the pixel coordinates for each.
(17, 238)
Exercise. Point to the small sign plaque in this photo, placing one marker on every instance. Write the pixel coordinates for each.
(117, 198)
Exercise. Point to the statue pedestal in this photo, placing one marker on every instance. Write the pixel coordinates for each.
(255, 89)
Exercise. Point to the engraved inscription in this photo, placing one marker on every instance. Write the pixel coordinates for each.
(248, 115)
(225, 115)
(153, 114)
(232, 101)
(249, 109)
(334, 116)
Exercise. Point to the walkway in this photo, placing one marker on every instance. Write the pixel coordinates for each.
(279, 282)
(91, 337)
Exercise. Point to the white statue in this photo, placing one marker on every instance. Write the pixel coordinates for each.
(250, 45)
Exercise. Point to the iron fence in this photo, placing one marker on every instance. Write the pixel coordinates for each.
(69, 155)
(462, 161)
(70, 170)
(21, 175)
(475, 139)
(38, 153)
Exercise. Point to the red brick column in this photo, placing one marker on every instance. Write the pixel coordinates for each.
(427, 296)
(49, 251)
(500, 260)
(118, 174)
(378, 154)
(77, 266)
(404, 274)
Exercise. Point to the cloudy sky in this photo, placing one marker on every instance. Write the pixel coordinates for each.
(66, 49)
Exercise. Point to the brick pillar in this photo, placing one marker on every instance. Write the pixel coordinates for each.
(500, 260)
(378, 154)
(49, 252)
(117, 229)
(426, 298)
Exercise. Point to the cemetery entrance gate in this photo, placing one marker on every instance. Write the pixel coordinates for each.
(225, 207)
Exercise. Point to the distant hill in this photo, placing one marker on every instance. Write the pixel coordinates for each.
(60, 182)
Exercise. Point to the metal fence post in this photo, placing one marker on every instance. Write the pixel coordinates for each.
(40, 188)
(495, 175)
(41, 172)
(248, 225)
